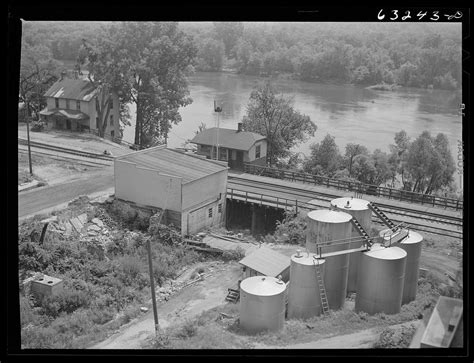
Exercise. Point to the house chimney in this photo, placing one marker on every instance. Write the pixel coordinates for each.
(239, 127)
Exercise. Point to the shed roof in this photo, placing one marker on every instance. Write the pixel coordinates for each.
(175, 163)
(75, 89)
(266, 261)
(229, 138)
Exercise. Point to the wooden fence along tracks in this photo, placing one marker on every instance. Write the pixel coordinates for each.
(356, 187)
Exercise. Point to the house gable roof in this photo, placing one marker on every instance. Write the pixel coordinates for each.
(175, 163)
(266, 261)
(228, 138)
(75, 89)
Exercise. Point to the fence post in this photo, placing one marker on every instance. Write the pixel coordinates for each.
(422, 198)
(390, 193)
(296, 206)
(304, 178)
(457, 204)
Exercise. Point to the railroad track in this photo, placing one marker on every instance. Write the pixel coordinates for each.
(237, 183)
(63, 157)
(56, 148)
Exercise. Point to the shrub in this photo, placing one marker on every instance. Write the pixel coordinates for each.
(37, 126)
(66, 301)
(292, 229)
(187, 330)
(234, 255)
(399, 337)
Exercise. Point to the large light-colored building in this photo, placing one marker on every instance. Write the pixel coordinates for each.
(235, 146)
(71, 105)
(190, 188)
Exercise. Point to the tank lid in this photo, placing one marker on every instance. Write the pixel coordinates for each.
(389, 253)
(306, 259)
(354, 203)
(329, 216)
(263, 285)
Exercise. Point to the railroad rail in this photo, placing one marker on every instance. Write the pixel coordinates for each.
(240, 183)
(66, 150)
(291, 204)
(384, 192)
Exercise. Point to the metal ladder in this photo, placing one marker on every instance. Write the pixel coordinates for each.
(322, 290)
(382, 216)
(361, 231)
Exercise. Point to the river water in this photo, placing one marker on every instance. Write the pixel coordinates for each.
(351, 114)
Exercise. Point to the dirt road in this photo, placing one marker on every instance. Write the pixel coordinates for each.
(187, 303)
(33, 201)
(363, 339)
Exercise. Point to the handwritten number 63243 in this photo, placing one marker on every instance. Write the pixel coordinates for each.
(434, 15)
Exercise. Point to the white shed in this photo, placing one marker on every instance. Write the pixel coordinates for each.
(190, 188)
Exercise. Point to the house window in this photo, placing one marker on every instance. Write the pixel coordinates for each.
(96, 122)
(78, 105)
(56, 100)
(67, 104)
(111, 120)
(111, 102)
(257, 152)
(210, 212)
(112, 133)
(219, 207)
(223, 154)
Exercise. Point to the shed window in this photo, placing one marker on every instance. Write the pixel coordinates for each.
(111, 120)
(56, 100)
(219, 207)
(78, 105)
(257, 152)
(210, 212)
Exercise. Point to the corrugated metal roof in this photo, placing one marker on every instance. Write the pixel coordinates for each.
(229, 138)
(175, 163)
(266, 261)
(74, 89)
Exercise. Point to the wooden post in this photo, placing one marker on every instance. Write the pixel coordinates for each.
(152, 284)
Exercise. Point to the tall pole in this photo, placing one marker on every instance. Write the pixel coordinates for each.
(28, 136)
(217, 155)
(152, 284)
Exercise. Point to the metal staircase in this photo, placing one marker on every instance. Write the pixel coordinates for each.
(322, 290)
(382, 216)
(362, 232)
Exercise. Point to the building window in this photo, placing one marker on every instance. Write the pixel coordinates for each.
(111, 120)
(78, 105)
(96, 122)
(223, 154)
(257, 152)
(56, 100)
(111, 103)
(210, 212)
(219, 207)
(67, 104)
(112, 133)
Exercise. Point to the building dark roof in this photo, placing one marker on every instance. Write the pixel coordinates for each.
(266, 261)
(74, 89)
(175, 163)
(228, 138)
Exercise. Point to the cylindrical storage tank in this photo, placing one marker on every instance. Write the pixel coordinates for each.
(304, 300)
(262, 304)
(380, 280)
(412, 245)
(331, 225)
(357, 208)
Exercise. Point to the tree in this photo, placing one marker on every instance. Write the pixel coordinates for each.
(272, 115)
(105, 76)
(372, 169)
(149, 61)
(38, 71)
(211, 55)
(325, 158)
(398, 155)
(229, 33)
(352, 150)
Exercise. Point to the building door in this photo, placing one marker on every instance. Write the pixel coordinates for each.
(68, 124)
(239, 160)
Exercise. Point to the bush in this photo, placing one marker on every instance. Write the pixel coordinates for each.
(234, 255)
(187, 330)
(399, 337)
(38, 126)
(292, 229)
(66, 301)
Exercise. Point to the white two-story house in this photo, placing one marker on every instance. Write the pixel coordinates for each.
(71, 105)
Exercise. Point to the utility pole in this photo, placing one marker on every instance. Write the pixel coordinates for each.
(152, 284)
(28, 136)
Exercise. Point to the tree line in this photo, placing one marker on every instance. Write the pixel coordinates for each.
(424, 164)
(413, 55)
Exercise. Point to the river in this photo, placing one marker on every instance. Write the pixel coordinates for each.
(350, 113)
